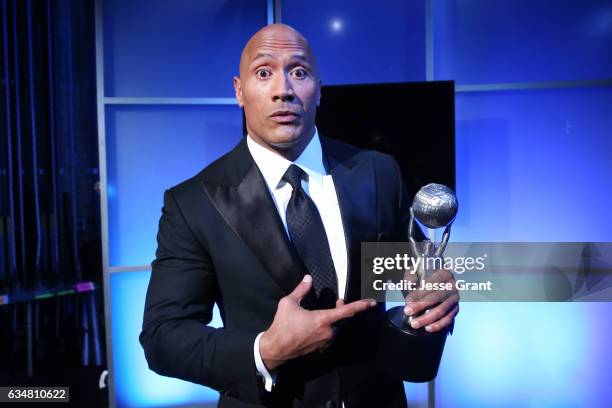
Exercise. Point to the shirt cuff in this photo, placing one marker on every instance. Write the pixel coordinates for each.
(269, 378)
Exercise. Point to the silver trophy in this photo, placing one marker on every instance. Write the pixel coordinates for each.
(414, 354)
(434, 206)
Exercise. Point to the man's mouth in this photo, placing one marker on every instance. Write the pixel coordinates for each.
(284, 116)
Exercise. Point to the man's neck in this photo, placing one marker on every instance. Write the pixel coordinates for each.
(290, 153)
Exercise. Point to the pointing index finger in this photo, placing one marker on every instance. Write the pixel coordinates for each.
(348, 310)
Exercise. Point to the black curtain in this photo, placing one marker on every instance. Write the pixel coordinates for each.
(49, 230)
(49, 203)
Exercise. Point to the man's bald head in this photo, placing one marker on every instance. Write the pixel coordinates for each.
(276, 36)
(279, 89)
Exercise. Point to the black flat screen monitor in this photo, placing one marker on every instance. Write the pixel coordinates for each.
(413, 121)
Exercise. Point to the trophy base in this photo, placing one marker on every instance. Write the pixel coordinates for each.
(410, 354)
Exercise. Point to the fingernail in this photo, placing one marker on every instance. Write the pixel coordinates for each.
(429, 328)
(373, 303)
(408, 311)
(415, 324)
(307, 278)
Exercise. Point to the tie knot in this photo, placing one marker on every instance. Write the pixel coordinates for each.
(294, 175)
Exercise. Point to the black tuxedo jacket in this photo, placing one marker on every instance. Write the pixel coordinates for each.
(222, 241)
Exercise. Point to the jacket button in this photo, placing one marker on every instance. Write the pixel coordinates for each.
(330, 404)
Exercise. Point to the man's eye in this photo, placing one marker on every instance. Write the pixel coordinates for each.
(299, 73)
(262, 73)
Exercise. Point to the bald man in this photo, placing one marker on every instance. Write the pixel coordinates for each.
(271, 233)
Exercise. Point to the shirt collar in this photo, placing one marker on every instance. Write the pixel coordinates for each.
(273, 166)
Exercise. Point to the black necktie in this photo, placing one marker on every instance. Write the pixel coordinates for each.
(308, 236)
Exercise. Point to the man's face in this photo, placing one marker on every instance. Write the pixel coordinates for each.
(278, 88)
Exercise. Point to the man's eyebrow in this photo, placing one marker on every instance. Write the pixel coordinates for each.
(260, 56)
(300, 57)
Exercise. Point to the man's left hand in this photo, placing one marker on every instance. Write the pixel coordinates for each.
(443, 305)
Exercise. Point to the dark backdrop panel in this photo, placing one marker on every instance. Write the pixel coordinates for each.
(414, 122)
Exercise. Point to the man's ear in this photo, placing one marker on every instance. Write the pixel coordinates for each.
(238, 91)
(319, 96)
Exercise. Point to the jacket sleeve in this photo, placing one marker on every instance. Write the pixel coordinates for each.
(182, 291)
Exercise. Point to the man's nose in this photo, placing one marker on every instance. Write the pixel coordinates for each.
(283, 89)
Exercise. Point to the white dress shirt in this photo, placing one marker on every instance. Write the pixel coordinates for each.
(320, 188)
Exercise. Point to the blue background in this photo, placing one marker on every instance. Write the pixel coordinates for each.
(533, 163)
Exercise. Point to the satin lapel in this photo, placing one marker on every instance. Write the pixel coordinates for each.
(354, 181)
(250, 211)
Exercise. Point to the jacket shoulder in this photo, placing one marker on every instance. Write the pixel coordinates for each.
(344, 151)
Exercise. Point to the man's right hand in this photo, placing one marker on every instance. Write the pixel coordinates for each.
(296, 331)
